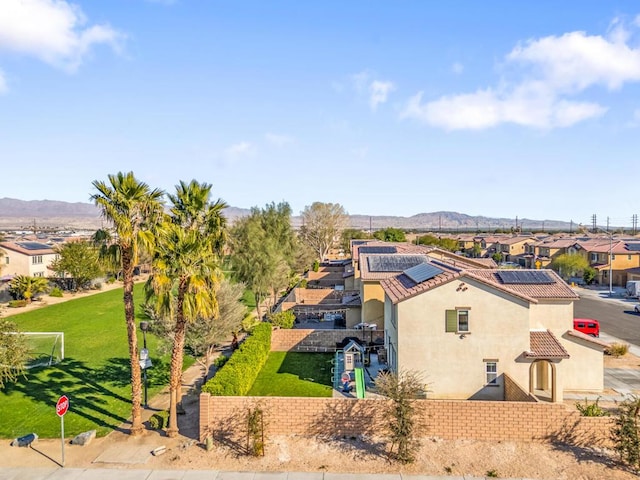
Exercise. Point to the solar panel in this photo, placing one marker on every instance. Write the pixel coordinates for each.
(633, 247)
(525, 277)
(422, 272)
(33, 245)
(376, 249)
(393, 263)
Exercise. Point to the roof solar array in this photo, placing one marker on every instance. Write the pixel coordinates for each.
(525, 277)
(33, 245)
(376, 249)
(422, 272)
(358, 242)
(633, 247)
(393, 263)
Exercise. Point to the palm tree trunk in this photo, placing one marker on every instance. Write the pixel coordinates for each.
(175, 381)
(129, 315)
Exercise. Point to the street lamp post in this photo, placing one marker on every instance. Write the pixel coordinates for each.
(144, 357)
(610, 259)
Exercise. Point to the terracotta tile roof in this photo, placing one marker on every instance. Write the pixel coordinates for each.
(557, 243)
(487, 262)
(557, 289)
(512, 240)
(544, 344)
(401, 287)
(459, 260)
(17, 248)
(588, 338)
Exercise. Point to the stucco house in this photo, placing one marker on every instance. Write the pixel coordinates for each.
(27, 258)
(466, 329)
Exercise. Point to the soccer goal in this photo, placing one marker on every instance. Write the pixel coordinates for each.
(45, 348)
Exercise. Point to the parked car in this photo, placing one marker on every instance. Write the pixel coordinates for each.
(637, 308)
(365, 326)
(587, 325)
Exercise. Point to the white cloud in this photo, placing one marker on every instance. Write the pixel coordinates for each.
(457, 68)
(55, 31)
(376, 91)
(549, 72)
(278, 140)
(3, 84)
(241, 149)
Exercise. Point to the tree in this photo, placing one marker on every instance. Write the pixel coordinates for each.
(264, 251)
(23, 287)
(450, 244)
(390, 235)
(322, 224)
(133, 209)
(14, 352)
(401, 420)
(349, 234)
(186, 271)
(589, 274)
(80, 261)
(477, 250)
(569, 264)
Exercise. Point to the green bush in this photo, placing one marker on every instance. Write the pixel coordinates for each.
(284, 319)
(17, 303)
(97, 286)
(56, 292)
(303, 283)
(249, 322)
(316, 265)
(220, 361)
(159, 420)
(241, 370)
(591, 409)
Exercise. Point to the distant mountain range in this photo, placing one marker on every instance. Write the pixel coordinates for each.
(21, 214)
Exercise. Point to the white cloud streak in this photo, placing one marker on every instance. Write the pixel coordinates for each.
(551, 71)
(54, 31)
(278, 140)
(237, 150)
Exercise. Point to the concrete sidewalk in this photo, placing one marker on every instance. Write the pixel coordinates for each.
(124, 474)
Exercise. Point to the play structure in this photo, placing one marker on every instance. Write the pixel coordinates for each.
(352, 365)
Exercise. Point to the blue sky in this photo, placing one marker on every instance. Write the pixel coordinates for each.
(528, 109)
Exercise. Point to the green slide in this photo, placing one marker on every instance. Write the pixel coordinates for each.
(359, 382)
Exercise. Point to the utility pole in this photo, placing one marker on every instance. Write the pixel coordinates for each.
(634, 222)
(594, 223)
(607, 224)
(571, 227)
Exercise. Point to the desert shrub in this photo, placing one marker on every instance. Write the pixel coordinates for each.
(617, 349)
(17, 303)
(159, 420)
(255, 431)
(111, 280)
(493, 473)
(241, 370)
(96, 286)
(587, 409)
(625, 432)
(284, 319)
(56, 292)
(303, 283)
(316, 265)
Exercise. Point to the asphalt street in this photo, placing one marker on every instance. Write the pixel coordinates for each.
(616, 318)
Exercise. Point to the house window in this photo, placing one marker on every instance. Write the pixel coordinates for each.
(613, 257)
(457, 321)
(491, 373)
(38, 274)
(36, 259)
(594, 257)
(628, 257)
(6, 260)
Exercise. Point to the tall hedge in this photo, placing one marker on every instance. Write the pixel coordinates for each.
(237, 376)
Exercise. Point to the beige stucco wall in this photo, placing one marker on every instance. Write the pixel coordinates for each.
(585, 370)
(556, 316)
(372, 296)
(20, 264)
(454, 366)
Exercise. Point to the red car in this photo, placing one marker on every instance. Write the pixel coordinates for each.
(587, 325)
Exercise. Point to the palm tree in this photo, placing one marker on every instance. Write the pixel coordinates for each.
(186, 270)
(133, 209)
(26, 287)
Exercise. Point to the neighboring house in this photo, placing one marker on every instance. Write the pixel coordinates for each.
(542, 254)
(624, 256)
(512, 249)
(27, 258)
(465, 329)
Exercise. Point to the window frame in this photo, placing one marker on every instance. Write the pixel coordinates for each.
(449, 318)
(491, 377)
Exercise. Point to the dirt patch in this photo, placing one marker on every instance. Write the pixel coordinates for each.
(626, 361)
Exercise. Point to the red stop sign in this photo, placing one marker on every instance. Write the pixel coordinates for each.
(62, 406)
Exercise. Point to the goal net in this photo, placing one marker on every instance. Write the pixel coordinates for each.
(45, 348)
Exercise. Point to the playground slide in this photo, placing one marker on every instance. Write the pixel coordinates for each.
(359, 382)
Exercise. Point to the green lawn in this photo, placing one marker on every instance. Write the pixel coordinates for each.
(95, 374)
(290, 374)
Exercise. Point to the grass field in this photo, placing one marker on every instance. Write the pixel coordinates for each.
(95, 374)
(290, 374)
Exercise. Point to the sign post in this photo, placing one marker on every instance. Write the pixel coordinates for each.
(61, 408)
